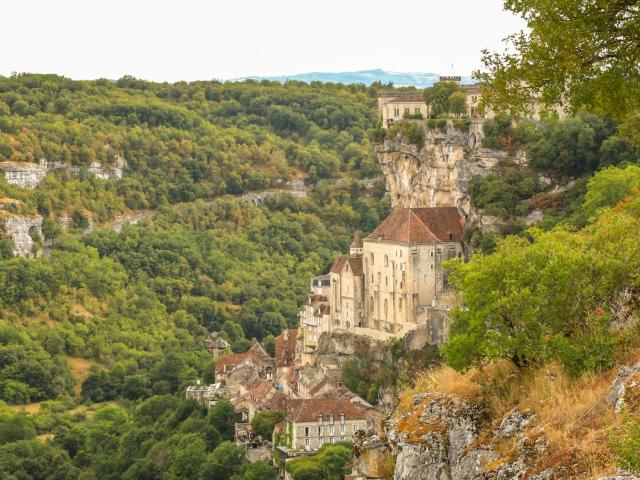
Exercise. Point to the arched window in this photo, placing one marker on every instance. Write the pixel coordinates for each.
(371, 305)
(400, 304)
(386, 260)
(386, 280)
(372, 259)
(379, 277)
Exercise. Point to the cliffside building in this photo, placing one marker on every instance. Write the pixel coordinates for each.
(391, 282)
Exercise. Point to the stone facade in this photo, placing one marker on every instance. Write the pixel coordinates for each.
(391, 283)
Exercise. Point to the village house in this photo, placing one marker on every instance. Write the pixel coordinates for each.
(256, 358)
(312, 423)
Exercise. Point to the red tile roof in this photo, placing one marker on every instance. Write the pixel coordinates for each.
(308, 410)
(286, 347)
(420, 226)
(355, 263)
(226, 362)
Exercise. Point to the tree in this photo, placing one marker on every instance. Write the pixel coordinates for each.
(259, 471)
(263, 423)
(610, 186)
(545, 297)
(458, 103)
(581, 52)
(437, 97)
(223, 417)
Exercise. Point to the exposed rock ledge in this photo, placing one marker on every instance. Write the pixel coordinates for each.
(29, 175)
(438, 174)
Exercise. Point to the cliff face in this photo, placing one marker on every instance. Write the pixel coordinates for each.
(29, 175)
(459, 435)
(438, 174)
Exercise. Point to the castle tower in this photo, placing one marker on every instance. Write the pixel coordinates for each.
(356, 246)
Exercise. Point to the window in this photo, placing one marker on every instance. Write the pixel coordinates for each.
(320, 419)
(386, 260)
(306, 431)
(379, 278)
(386, 280)
(396, 111)
(306, 443)
(386, 308)
(331, 419)
(372, 259)
(400, 304)
(407, 111)
(342, 438)
(342, 416)
(320, 431)
(331, 429)
(331, 440)
(321, 441)
(342, 429)
(371, 305)
(432, 254)
(416, 110)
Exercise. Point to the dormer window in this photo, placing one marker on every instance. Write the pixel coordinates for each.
(331, 419)
(320, 419)
(450, 237)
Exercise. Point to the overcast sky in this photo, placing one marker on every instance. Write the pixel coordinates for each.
(174, 40)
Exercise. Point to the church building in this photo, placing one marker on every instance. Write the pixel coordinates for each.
(391, 282)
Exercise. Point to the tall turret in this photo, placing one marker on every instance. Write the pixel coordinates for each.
(356, 245)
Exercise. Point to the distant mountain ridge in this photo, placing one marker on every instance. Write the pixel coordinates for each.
(367, 77)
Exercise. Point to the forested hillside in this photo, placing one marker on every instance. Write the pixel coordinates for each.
(182, 141)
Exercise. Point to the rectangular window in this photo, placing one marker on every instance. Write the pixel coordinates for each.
(342, 439)
(407, 111)
(306, 443)
(332, 440)
(306, 431)
(331, 419)
(331, 429)
(321, 441)
(320, 431)
(342, 429)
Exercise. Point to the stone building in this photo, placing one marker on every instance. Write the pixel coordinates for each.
(311, 423)
(403, 271)
(255, 359)
(398, 105)
(391, 282)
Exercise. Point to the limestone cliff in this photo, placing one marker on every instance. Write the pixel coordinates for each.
(437, 174)
(29, 175)
(438, 435)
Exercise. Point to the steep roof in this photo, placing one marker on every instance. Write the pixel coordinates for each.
(308, 410)
(286, 347)
(355, 263)
(230, 360)
(420, 226)
(357, 240)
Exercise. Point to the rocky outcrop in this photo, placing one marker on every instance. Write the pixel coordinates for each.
(345, 345)
(25, 175)
(625, 391)
(29, 175)
(447, 437)
(438, 174)
(21, 230)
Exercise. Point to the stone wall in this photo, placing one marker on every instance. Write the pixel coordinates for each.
(20, 228)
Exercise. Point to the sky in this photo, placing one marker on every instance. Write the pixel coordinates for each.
(172, 40)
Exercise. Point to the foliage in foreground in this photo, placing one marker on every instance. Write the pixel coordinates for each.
(548, 296)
